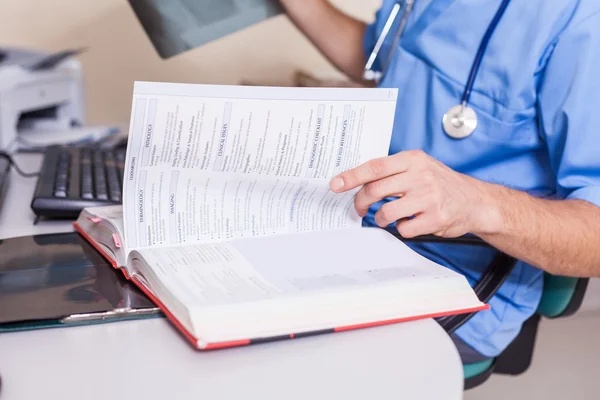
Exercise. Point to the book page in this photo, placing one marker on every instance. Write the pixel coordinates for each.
(205, 274)
(337, 259)
(114, 214)
(101, 225)
(212, 163)
(260, 268)
(302, 282)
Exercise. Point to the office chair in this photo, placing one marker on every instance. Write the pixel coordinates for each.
(561, 297)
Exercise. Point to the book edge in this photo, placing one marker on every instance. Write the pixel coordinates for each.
(83, 233)
(200, 345)
(137, 283)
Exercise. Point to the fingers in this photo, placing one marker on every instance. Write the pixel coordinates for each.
(422, 224)
(372, 170)
(393, 211)
(371, 193)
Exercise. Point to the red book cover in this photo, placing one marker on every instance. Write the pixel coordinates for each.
(220, 345)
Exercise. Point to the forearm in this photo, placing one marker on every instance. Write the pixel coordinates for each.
(558, 236)
(338, 36)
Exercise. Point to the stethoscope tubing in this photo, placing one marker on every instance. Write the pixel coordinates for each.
(481, 51)
(461, 120)
(478, 56)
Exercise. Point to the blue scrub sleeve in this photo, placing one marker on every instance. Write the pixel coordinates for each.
(569, 101)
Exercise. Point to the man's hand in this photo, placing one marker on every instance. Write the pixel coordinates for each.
(432, 197)
(559, 236)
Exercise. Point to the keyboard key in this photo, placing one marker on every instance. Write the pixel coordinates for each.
(61, 178)
(86, 156)
(120, 156)
(74, 178)
(86, 178)
(61, 185)
(114, 186)
(99, 178)
(101, 193)
(115, 196)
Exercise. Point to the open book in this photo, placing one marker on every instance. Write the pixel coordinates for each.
(229, 225)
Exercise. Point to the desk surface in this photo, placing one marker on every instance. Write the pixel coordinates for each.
(149, 360)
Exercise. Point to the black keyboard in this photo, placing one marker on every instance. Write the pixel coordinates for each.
(73, 178)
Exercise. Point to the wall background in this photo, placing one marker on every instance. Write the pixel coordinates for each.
(119, 51)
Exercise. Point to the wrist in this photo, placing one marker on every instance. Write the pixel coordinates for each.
(487, 215)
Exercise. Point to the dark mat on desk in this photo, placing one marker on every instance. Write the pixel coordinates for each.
(60, 280)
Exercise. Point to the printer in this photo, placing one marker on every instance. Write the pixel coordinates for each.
(39, 94)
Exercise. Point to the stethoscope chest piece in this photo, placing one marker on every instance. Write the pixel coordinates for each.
(460, 121)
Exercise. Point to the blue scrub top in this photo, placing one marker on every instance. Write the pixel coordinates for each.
(537, 97)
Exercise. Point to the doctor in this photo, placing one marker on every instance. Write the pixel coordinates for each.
(497, 133)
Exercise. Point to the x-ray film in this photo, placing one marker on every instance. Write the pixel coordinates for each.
(175, 26)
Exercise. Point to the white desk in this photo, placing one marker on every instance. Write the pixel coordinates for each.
(149, 360)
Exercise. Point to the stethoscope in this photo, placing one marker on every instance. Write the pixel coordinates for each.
(461, 120)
